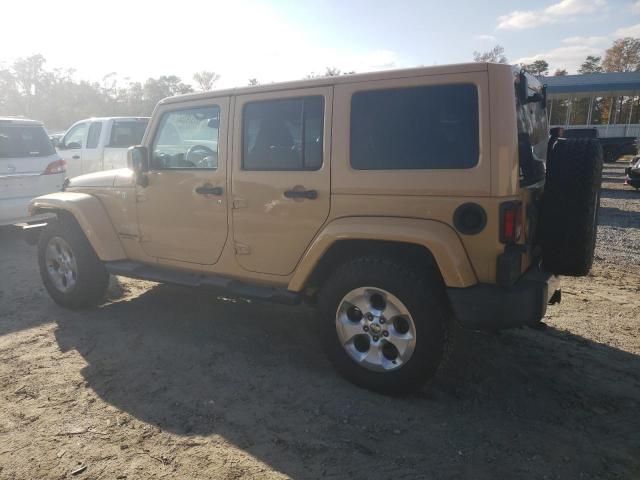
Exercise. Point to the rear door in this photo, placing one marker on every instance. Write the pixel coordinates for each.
(93, 150)
(281, 176)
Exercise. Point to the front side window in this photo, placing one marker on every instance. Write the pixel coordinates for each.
(75, 137)
(94, 135)
(283, 134)
(18, 141)
(187, 139)
(430, 127)
(126, 133)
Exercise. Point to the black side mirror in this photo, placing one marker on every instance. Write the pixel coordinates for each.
(138, 161)
(73, 146)
(214, 122)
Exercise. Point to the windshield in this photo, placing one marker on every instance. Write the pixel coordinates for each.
(24, 141)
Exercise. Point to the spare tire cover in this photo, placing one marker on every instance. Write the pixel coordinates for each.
(570, 204)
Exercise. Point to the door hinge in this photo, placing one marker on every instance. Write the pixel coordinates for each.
(239, 203)
(242, 249)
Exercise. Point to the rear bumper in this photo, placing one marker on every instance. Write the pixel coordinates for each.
(491, 307)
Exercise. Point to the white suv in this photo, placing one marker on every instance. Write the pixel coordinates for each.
(29, 167)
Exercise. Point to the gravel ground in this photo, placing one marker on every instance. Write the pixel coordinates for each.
(619, 228)
(166, 382)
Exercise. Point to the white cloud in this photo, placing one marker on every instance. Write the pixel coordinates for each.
(635, 7)
(631, 31)
(588, 41)
(486, 38)
(569, 57)
(554, 13)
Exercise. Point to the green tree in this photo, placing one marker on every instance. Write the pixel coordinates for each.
(495, 55)
(538, 67)
(592, 64)
(623, 56)
(206, 79)
(560, 72)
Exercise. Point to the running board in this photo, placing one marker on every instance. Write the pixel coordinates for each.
(153, 273)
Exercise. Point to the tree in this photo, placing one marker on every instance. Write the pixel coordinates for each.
(205, 79)
(538, 67)
(592, 64)
(495, 55)
(330, 72)
(560, 72)
(253, 82)
(623, 56)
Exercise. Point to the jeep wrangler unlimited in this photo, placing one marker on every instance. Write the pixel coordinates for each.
(400, 203)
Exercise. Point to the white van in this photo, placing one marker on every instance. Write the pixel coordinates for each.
(29, 167)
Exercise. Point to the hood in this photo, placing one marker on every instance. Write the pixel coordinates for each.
(122, 177)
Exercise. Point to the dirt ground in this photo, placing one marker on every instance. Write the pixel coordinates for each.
(166, 382)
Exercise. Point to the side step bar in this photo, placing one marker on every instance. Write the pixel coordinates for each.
(154, 273)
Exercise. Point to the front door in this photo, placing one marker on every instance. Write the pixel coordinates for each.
(70, 149)
(280, 181)
(182, 212)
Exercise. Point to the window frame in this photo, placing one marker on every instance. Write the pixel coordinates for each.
(478, 132)
(160, 123)
(302, 99)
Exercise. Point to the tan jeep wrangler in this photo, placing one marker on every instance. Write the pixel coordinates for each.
(400, 203)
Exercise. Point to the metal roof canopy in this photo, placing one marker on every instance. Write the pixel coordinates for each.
(593, 84)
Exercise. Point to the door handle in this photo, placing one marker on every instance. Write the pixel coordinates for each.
(209, 190)
(309, 194)
(76, 157)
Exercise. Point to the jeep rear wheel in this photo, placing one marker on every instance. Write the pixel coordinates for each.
(383, 324)
(70, 270)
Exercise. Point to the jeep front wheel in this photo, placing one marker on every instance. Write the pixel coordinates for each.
(384, 324)
(70, 270)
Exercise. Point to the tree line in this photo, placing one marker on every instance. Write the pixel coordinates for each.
(54, 96)
(622, 56)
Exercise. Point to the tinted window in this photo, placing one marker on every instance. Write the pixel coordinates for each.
(432, 127)
(283, 134)
(24, 141)
(126, 133)
(94, 134)
(187, 139)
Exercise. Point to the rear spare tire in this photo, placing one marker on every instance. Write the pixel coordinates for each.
(570, 205)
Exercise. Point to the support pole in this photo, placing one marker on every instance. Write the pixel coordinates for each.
(591, 99)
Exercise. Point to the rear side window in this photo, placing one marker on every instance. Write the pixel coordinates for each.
(94, 134)
(431, 127)
(283, 134)
(24, 141)
(127, 133)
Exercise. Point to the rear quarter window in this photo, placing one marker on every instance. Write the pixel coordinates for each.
(430, 127)
(24, 141)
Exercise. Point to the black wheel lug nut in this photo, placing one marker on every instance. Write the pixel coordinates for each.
(382, 320)
(375, 338)
(365, 328)
(369, 316)
(385, 333)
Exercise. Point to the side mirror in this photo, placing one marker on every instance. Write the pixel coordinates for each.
(55, 142)
(138, 161)
(72, 146)
(214, 122)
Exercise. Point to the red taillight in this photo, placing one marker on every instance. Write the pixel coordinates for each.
(510, 222)
(59, 166)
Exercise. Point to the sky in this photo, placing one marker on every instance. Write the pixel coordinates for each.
(276, 40)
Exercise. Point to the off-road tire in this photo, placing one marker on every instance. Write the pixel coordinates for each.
(570, 205)
(421, 292)
(92, 278)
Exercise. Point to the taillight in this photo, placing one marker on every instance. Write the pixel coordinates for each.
(510, 222)
(59, 166)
